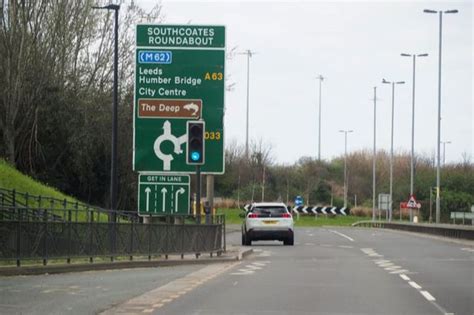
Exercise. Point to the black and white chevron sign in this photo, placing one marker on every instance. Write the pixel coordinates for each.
(321, 210)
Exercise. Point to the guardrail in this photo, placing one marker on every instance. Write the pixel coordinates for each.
(446, 230)
(25, 238)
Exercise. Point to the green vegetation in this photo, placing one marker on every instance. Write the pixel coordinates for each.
(27, 190)
(328, 220)
(14, 179)
(232, 217)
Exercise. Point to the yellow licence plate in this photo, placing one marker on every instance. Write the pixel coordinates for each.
(270, 222)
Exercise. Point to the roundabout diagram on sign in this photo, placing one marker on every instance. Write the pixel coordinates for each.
(168, 136)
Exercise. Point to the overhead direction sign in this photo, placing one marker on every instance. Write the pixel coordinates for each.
(179, 76)
(163, 194)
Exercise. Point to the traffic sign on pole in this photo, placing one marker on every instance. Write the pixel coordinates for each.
(163, 194)
(179, 76)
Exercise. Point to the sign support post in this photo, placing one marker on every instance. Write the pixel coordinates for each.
(198, 193)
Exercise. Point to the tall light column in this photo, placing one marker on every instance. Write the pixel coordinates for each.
(249, 54)
(444, 150)
(113, 164)
(345, 164)
(374, 154)
(438, 158)
(320, 78)
(412, 158)
(391, 146)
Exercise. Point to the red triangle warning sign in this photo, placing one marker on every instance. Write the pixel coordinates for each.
(412, 202)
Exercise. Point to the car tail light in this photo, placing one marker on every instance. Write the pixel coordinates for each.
(286, 215)
(253, 215)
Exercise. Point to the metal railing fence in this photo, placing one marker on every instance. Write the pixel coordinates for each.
(26, 237)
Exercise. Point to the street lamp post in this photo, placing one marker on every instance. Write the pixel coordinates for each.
(391, 146)
(249, 54)
(438, 158)
(374, 158)
(444, 150)
(320, 78)
(412, 158)
(113, 164)
(345, 164)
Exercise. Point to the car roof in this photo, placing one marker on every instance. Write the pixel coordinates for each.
(268, 204)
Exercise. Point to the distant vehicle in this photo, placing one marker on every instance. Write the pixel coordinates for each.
(267, 221)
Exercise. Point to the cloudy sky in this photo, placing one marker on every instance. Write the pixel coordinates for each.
(354, 44)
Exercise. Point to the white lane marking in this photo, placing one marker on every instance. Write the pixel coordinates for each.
(405, 277)
(253, 267)
(467, 249)
(388, 264)
(399, 271)
(381, 261)
(370, 252)
(261, 264)
(393, 268)
(428, 296)
(345, 246)
(367, 250)
(235, 283)
(310, 234)
(243, 272)
(309, 244)
(414, 284)
(343, 235)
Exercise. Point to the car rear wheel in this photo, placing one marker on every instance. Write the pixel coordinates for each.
(289, 241)
(248, 240)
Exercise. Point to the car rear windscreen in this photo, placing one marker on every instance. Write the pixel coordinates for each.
(269, 211)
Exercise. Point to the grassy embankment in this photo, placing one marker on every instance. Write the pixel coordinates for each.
(11, 178)
(232, 217)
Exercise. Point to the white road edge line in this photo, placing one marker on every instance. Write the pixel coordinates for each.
(343, 235)
(428, 296)
(414, 284)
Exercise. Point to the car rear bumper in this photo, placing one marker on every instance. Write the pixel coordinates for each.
(280, 234)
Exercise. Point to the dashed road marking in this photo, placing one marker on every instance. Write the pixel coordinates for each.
(428, 296)
(405, 277)
(414, 284)
(399, 271)
(394, 269)
(468, 249)
(251, 268)
(370, 252)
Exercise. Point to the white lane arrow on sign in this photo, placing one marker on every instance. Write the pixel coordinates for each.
(147, 192)
(163, 192)
(178, 192)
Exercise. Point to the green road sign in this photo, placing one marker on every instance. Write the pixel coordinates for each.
(179, 76)
(163, 194)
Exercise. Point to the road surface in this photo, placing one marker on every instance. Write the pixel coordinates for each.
(328, 271)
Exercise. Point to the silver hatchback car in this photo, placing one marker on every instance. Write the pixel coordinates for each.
(268, 221)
